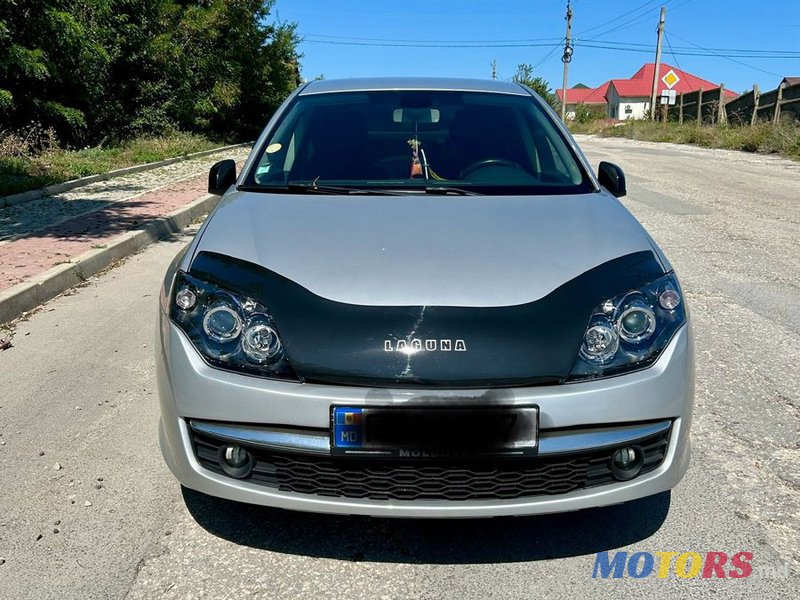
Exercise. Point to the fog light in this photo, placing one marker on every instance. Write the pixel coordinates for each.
(626, 463)
(236, 461)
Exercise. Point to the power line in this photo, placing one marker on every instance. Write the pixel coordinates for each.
(601, 46)
(726, 57)
(638, 18)
(617, 18)
(674, 8)
(729, 53)
(544, 59)
(406, 40)
(427, 45)
(672, 52)
(587, 43)
(736, 50)
(549, 55)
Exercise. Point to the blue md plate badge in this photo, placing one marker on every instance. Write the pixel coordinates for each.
(435, 432)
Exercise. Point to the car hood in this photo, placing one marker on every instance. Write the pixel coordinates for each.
(423, 250)
(455, 291)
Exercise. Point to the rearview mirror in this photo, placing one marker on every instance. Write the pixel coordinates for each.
(221, 176)
(416, 115)
(612, 178)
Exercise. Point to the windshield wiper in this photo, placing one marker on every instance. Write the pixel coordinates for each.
(444, 190)
(312, 188)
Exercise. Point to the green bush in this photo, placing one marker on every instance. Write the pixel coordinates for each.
(587, 114)
(34, 161)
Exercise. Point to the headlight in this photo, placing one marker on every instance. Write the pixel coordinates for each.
(222, 323)
(229, 330)
(628, 332)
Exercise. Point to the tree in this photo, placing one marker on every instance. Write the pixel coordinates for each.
(98, 70)
(524, 75)
(51, 64)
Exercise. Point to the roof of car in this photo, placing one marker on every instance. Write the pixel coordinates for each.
(327, 86)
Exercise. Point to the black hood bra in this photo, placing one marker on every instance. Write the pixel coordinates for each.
(432, 346)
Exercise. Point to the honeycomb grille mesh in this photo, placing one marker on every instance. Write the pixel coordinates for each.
(457, 480)
(388, 481)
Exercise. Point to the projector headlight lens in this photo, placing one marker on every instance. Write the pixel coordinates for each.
(629, 331)
(222, 324)
(260, 342)
(637, 322)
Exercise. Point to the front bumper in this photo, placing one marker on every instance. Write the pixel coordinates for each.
(581, 413)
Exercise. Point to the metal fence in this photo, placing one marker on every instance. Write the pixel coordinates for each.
(710, 106)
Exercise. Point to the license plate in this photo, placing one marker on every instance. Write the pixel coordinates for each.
(434, 432)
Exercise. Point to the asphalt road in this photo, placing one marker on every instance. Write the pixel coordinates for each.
(88, 509)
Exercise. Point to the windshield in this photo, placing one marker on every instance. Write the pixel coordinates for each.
(466, 142)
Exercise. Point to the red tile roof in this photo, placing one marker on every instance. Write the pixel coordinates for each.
(641, 83)
(586, 95)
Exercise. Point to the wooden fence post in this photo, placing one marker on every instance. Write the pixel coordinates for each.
(700, 106)
(778, 99)
(756, 98)
(722, 117)
(680, 111)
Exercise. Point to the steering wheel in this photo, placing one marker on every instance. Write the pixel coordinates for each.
(488, 162)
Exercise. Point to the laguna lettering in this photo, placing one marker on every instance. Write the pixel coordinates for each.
(429, 345)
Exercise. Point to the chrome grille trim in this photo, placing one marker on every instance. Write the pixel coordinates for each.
(317, 441)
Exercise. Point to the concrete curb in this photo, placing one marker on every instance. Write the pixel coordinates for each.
(59, 188)
(45, 286)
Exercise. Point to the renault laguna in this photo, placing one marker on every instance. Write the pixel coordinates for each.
(417, 299)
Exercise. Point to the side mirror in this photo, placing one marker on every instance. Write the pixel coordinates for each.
(221, 176)
(612, 178)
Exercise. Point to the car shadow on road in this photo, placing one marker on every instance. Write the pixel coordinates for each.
(451, 541)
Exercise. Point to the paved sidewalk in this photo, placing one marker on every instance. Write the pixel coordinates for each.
(40, 234)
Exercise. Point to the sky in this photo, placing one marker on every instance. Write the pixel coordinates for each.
(358, 38)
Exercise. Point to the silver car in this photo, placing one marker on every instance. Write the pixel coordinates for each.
(416, 299)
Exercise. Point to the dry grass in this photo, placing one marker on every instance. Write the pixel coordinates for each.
(765, 138)
(31, 159)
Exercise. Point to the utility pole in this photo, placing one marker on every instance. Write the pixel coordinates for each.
(566, 59)
(494, 69)
(658, 63)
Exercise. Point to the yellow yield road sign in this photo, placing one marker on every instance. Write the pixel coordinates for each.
(670, 79)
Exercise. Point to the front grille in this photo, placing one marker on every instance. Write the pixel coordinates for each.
(417, 482)
(455, 480)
